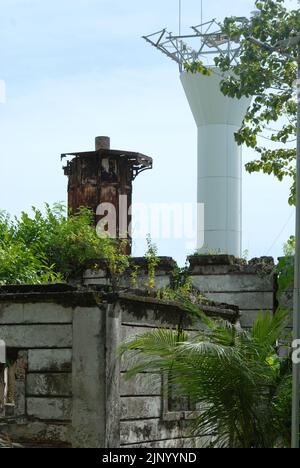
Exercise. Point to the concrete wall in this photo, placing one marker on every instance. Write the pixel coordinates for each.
(59, 333)
(42, 336)
(249, 285)
(145, 417)
(70, 385)
(163, 274)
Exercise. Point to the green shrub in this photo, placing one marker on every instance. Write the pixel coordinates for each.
(52, 247)
(282, 411)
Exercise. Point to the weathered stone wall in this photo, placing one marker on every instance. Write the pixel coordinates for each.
(249, 285)
(43, 336)
(146, 418)
(70, 385)
(163, 274)
(57, 331)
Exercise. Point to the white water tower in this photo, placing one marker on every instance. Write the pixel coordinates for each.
(217, 118)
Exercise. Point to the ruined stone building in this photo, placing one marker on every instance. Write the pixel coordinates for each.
(64, 385)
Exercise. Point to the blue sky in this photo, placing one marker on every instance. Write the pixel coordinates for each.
(75, 69)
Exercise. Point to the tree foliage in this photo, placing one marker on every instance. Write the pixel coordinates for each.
(270, 78)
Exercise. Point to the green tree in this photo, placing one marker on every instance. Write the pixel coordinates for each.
(270, 78)
(234, 375)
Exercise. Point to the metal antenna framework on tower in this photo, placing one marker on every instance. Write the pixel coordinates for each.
(209, 36)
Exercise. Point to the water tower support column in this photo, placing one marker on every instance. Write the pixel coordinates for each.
(219, 162)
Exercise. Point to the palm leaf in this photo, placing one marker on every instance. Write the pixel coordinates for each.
(222, 368)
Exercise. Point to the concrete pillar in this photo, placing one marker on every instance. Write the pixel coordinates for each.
(95, 377)
(219, 162)
(2, 352)
(113, 404)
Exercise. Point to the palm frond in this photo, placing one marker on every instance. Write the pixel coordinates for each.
(225, 370)
(268, 328)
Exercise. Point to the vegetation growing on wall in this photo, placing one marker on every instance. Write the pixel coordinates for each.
(181, 289)
(152, 262)
(285, 267)
(52, 247)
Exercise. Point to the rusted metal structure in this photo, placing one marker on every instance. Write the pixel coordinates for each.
(102, 179)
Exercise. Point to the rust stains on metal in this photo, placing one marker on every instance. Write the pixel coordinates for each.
(104, 176)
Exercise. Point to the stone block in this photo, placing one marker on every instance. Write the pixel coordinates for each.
(141, 385)
(141, 408)
(37, 336)
(143, 431)
(233, 283)
(59, 409)
(46, 360)
(34, 313)
(49, 385)
(245, 301)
